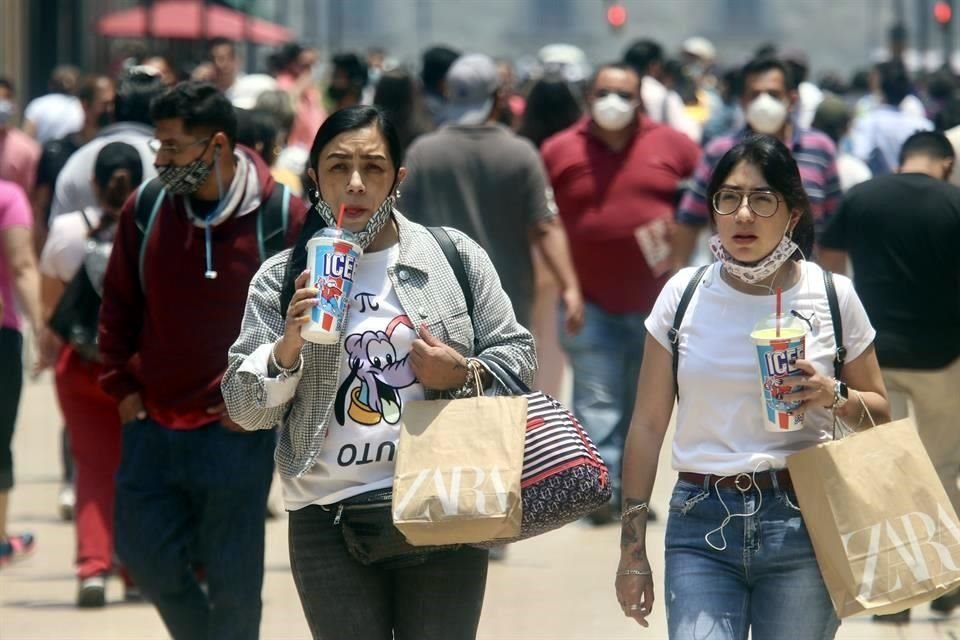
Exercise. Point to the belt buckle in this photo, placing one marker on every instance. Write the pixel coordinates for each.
(746, 478)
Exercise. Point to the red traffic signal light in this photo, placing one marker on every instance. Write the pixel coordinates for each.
(942, 12)
(617, 15)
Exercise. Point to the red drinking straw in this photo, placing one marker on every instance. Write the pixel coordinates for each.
(340, 221)
(779, 295)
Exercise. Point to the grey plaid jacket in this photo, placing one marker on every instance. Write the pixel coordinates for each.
(429, 294)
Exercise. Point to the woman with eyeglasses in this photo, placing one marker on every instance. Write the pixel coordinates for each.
(738, 556)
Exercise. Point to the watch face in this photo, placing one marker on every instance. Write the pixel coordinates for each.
(844, 391)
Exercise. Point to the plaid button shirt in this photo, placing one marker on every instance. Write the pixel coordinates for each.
(429, 294)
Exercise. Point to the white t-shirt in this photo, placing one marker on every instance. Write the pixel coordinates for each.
(358, 454)
(66, 244)
(720, 417)
(56, 115)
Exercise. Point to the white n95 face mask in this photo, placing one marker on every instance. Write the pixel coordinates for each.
(766, 114)
(613, 113)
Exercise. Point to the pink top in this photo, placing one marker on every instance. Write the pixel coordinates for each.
(14, 212)
(19, 156)
(309, 113)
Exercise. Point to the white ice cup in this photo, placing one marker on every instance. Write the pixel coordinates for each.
(777, 350)
(332, 256)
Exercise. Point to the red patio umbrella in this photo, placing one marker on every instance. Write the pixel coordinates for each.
(184, 19)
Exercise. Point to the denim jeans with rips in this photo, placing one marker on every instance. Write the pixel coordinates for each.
(765, 582)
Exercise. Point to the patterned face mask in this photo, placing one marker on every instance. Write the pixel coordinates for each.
(374, 224)
(185, 180)
(759, 271)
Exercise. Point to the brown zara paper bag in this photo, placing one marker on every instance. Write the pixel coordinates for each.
(458, 469)
(884, 532)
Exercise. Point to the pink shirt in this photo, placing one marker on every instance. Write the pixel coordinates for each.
(19, 156)
(309, 113)
(14, 212)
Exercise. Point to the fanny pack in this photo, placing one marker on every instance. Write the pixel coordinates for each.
(366, 522)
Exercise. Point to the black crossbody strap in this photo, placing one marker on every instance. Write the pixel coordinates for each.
(841, 355)
(674, 333)
(450, 251)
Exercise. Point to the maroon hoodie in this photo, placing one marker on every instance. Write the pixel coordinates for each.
(170, 343)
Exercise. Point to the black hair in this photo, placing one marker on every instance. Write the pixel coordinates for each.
(342, 121)
(136, 90)
(436, 62)
(354, 68)
(766, 50)
(257, 130)
(798, 69)
(551, 107)
(642, 54)
(619, 66)
(949, 116)
(397, 95)
(286, 55)
(772, 158)
(763, 65)
(897, 33)
(200, 105)
(7, 83)
(942, 84)
(932, 144)
(860, 81)
(117, 171)
(894, 81)
(220, 41)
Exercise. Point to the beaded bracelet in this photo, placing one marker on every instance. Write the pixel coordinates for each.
(284, 371)
(634, 572)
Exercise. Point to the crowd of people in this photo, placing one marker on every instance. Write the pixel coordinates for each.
(154, 227)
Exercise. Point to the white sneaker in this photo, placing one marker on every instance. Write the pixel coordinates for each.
(92, 592)
(66, 500)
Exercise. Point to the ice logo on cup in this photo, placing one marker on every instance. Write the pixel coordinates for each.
(775, 354)
(335, 279)
(332, 261)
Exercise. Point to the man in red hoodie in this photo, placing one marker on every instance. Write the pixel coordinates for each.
(191, 485)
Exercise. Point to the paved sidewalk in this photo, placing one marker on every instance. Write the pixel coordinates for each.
(557, 587)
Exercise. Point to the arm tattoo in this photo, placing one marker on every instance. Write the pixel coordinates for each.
(632, 529)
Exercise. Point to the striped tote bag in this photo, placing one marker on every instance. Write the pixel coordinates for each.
(564, 478)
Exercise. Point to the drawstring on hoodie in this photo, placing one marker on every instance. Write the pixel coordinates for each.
(208, 228)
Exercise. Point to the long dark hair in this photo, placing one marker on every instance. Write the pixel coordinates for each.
(551, 107)
(348, 119)
(779, 169)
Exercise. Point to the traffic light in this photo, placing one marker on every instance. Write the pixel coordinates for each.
(942, 12)
(616, 16)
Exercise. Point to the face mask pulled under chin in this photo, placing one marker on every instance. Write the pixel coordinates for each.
(613, 113)
(766, 114)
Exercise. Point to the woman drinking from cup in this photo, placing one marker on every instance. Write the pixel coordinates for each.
(738, 556)
(406, 335)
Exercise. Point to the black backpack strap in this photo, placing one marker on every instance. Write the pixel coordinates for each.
(841, 355)
(272, 222)
(674, 333)
(146, 206)
(453, 256)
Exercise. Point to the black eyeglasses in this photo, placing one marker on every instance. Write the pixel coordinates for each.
(761, 203)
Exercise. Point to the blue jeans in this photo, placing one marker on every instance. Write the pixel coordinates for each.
(606, 357)
(195, 495)
(766, 582)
